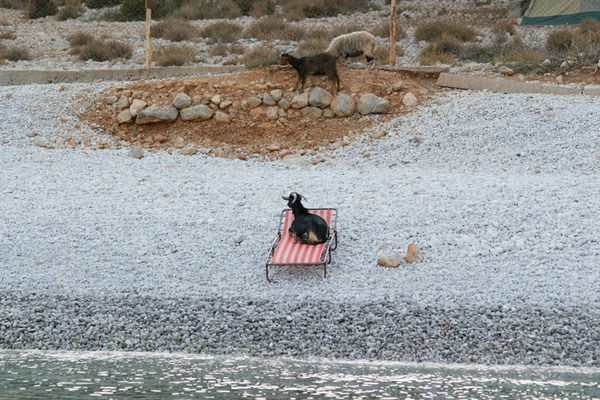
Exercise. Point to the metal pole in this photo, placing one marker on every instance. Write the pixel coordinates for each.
(393, 34)
(148, 37)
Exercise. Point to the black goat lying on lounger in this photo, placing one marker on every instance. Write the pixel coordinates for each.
(321, 64)
(306, 228)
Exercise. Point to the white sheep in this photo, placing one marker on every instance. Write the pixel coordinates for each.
(353, 45)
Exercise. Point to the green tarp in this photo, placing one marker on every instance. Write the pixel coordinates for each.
(557, 12)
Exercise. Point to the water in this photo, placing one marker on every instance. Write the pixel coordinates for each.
(117, 375)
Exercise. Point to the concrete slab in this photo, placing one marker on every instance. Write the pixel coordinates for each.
(28, 77)
(422, 70)
(591, 90)
(502, 85)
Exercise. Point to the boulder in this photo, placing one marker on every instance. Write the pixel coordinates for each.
(284, 104)
(222, 116)
(182, 100)
(272, 112)
(254, 102)
(398, 86)
(506, 71)
(391, 261)
(152, 115)
(369, 103)
(188, 151)
(312, 112)
(201, 112)
(125, 117)
(319, 97)
(413, 254)
(410, 100)
(276, 94)
(216, 99)
(343, 105)
(268, 100)
(122, 103)
(300, 101)
(136, 152)
(136, 106)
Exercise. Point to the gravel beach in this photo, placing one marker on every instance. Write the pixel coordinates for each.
(103, 251)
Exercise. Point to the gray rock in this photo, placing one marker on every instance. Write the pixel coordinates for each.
(201, 112)
(312, 112)
(410, 100)
(179, 142)
(136, 152)
(284, 104)
(254, 102)
(398, 86)
(152, 115)
(111, 100)
(182, 100)
(370, 104)
(319, 97)
(276, 94)
(268, 100)
(122, 103)
(188, 151)
(222, 116)
(343, 105)
(272, 112)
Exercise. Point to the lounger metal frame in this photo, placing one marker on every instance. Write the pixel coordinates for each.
(330, 245)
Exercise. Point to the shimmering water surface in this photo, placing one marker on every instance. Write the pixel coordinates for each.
(113, 375)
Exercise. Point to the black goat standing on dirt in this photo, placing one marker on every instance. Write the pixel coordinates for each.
(306, 228)
(321, 64)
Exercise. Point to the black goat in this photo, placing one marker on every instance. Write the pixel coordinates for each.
(306, 228)
(321, 64)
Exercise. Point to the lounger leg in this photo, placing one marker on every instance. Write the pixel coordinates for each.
(269, 279)
(324, 270)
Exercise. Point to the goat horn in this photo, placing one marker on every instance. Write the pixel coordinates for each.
(303, 198)
(285, 198)
(295, 197)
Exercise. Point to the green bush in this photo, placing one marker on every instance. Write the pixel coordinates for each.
(481, 54)
(444, 50)
(40, 8)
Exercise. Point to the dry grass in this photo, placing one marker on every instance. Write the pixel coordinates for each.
(312, 47)
(589, 25)
(174, 55)
(13, 53)
(261, 57)
(173, 29)
(525, 55)
(79, 39)
(434, 30)
(481, 54)
(40, 8)
(342, 30)
(501, 29)
(222, 32)
(219, 49)
(274, 28)
(261, 8)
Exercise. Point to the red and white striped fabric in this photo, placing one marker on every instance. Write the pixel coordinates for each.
(288, 252)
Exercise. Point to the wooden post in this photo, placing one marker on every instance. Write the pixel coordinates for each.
(393, 34)
(148, 37)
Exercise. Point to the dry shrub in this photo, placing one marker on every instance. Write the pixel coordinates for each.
(13, 53)
(222, 31)
(501, 29)
(382, 54)
(344, 29)
(589, 25)
(318, 34)
(274, 28)
(383, 31)
(9, 35)
(220, 49)
(434, 30)
(12, 4)
(87, 48)
(560, 41)
(262, 7)
(175, 30)
(71, 10)
(237, 48)
(312, 47)
(320, 8)
(101, 3)
(79, 39)
(261, 57)
(174, 55)
(444, 50)
(208, 9)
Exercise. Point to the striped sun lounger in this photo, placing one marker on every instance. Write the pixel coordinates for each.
(284, 252)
